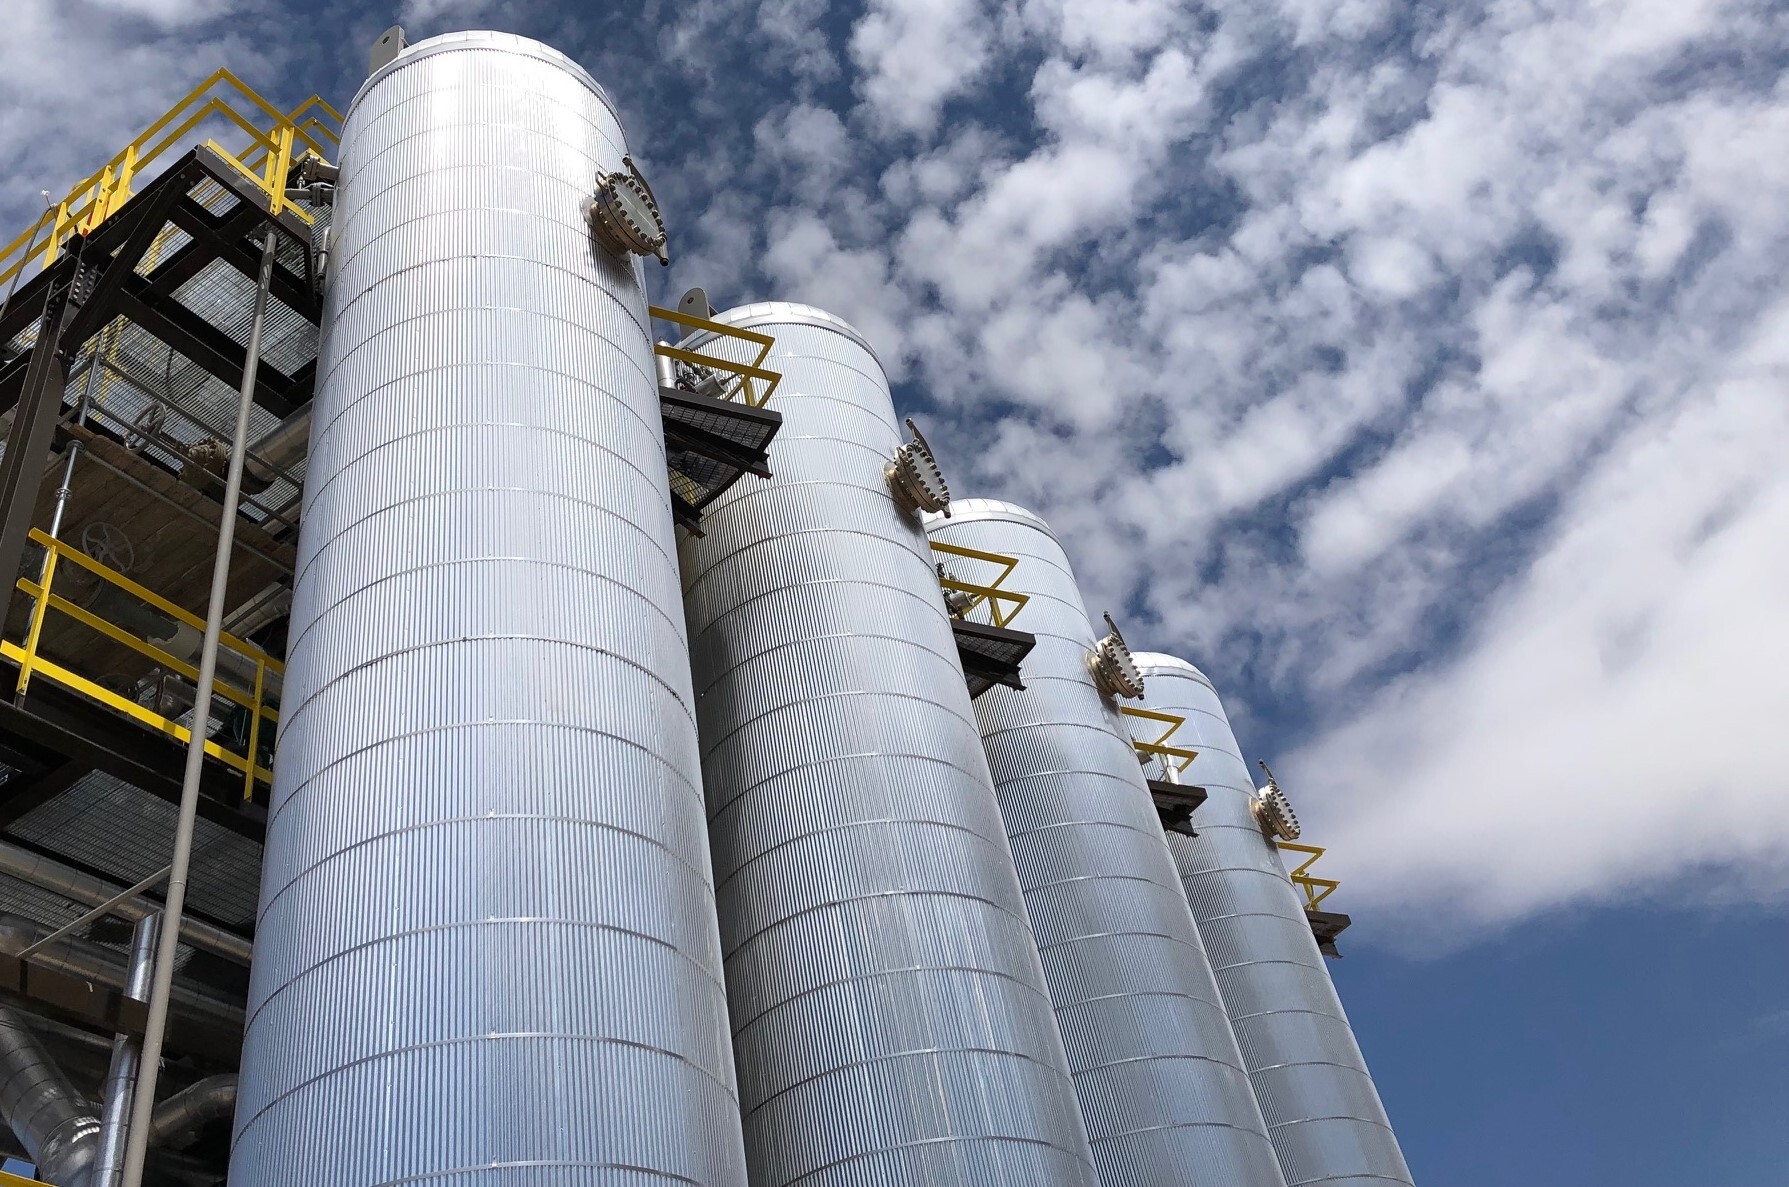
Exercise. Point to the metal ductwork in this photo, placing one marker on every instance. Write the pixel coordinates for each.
(1322, 1110)
(54, 1124)
(487, 951)
(72, 884)
(191, 1109)
(193, 1004)
(1156, 1066)
(890, 1016)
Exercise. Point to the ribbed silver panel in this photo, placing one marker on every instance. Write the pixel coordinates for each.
(1321, 1107)
(1156, 1066)
(487, 953)
(890, 1016)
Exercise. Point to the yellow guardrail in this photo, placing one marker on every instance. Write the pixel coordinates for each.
(1159, 748)
(1315, 889)
(740, 386)
(44, 599)
(273, 138)
(1003, 604)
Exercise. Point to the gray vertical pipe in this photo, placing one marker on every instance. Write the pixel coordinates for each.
(1323, 1111)
(1156, 1066)
(121, 1076)
(889, 1011)
(487, 952)
(162, 984)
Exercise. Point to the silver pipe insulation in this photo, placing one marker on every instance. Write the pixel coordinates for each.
(487, 950)
(162, 983)
(127, 1053)
(889, 1012)
(193, 1108)
(1322, 1109)
(194, 1004)
(1155, 1063)
(71, 883)
(52, 1121)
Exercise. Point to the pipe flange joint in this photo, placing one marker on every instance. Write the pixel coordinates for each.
(915, 478)
(1114, 671)
(624, 215)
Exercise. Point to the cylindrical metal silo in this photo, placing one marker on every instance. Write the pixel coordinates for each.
(1322, 1109)
(487, 951)
(890, 1017)
(1160, 1080)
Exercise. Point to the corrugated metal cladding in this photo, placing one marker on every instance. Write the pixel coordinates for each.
(890, 1017)
(1322, 1110)
(487, 950)
(1160, 1080)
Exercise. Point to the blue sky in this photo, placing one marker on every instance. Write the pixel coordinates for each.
(1417, 369)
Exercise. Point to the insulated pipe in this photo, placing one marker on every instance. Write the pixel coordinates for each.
(162, 982)
(127, 1053)
(1323, 1111)
(211, 1099)
(1160, 1079)
(889, 1012)
(71, 883)
(487, 952)
(197, 1006)
(51, 1121)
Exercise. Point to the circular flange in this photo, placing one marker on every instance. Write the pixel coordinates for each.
(1275, 813)
(625, 215)
(1114, 671)
(916, 478)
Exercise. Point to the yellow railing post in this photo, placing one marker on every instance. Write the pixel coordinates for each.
(39, 607)
(254, 731)
(1159, 748)
(1315, 889)
(1003, 604)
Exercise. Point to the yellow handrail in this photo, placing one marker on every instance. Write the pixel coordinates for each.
(744, 373)
(44, 599)
(1159, 748)
(996, 599)
(264, 162)
(1315, 889)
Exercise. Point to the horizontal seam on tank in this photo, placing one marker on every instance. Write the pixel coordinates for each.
(402, 63)
(782, 536)
(1374, 1175)
(830, 904)
(317, 617)
(367, 244)
(709, 750)
(835, 828)
(1175, 994)
(286, 796)
(1293, 914)
(1056, 825)
(771, 492)
(783, 590)
(486, 426)
(1147, 881)
(964, 524)
(469, 924)
(486, 1167)
(1312, 966)
(440, 1044)
(780, 357)
(1102, 730)
(487, 489)
(362, 203)
(326, 427)
(1337, 1117)
(303, 709)
(742, 792)
(1115, 935)
(1035, 989)
(337, 361)
(1188, 1056)
(805, 640)
(888, 1056)
(434, 130)
(950, 1140)
(293, 879)
(1235, 1018)
(1131, 1133)
(1356, 1068)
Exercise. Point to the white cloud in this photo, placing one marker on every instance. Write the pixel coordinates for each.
(916, 55)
